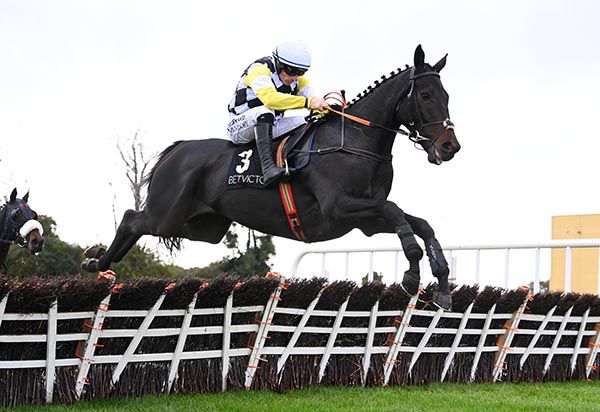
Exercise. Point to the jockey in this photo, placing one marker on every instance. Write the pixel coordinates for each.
(268, 87)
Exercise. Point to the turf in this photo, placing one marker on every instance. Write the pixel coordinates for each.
(569, 396)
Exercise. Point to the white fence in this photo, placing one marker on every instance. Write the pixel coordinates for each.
(402, 337)
(529, 260)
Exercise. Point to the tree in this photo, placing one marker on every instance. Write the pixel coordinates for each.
(377, 277)
(253, 261)
(141, 261)
(544, 285)
(135, 168)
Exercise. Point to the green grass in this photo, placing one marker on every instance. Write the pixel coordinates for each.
(570, 396)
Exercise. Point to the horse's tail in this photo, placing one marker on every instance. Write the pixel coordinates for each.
(148, 178)
(171, 243)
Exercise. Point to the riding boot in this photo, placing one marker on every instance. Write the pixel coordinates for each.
(264, 134)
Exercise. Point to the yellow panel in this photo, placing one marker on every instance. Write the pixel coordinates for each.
(576, 227)
(584, 277)
(566, 227)
(590, 226)
(584, 270)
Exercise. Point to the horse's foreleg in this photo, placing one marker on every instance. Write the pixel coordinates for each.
(437, 260)
(413, 252)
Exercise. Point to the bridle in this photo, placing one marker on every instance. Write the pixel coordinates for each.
(414, 111)
(13, 232)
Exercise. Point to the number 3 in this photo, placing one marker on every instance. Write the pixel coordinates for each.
(245, 161)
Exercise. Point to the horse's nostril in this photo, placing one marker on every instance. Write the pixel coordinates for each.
(37, 243)
(450, 147)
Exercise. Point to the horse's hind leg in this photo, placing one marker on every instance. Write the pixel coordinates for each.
(437, 261)
(132, 227)
(413, 252)
(126, 245)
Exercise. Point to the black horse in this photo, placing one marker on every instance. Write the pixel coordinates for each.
(345, 186)
(19, 225)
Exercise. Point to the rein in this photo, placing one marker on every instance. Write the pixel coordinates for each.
(413, 136)
(339, 97)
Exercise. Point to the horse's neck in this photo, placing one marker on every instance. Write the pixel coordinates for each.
(3, 212)
(379, 104)
(3, 253)
(4, 246)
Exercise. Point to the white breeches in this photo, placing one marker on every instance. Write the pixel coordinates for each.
(240, 128)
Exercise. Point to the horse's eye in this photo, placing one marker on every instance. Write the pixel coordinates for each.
(425, 95)
(16, 214)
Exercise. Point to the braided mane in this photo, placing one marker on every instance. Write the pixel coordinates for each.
(377, 83)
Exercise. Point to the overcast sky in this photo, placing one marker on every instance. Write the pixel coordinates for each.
(523, 79)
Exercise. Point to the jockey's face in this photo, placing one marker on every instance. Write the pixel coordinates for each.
(286, 78)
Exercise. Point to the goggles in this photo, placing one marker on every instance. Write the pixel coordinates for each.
(292, 71)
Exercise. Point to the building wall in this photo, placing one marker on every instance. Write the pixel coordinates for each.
(584, 272)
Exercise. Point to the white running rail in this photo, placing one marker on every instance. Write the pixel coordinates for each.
(535, 249)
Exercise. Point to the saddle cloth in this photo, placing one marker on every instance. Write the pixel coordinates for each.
(245, 170)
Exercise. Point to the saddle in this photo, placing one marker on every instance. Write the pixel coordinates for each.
(294, 149)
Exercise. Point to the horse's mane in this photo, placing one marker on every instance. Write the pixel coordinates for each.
(2, 212)
(148, 178)
(376, 84)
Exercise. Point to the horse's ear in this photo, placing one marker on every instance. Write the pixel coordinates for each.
(26, 197)
(440, 65)
(13, 195)
(419, 56)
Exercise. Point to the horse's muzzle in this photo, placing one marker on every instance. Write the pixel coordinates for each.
(444, 148)
(449, 149)
(35, 242)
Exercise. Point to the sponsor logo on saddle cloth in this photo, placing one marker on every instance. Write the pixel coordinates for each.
(245, 170)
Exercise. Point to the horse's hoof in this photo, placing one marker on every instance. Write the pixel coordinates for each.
(442, 300)
(90, 265)
(411, 282)
(94, 252)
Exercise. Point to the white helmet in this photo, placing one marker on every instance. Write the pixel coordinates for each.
(293, 53)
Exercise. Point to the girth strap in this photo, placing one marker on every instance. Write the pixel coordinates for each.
(287, 198)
